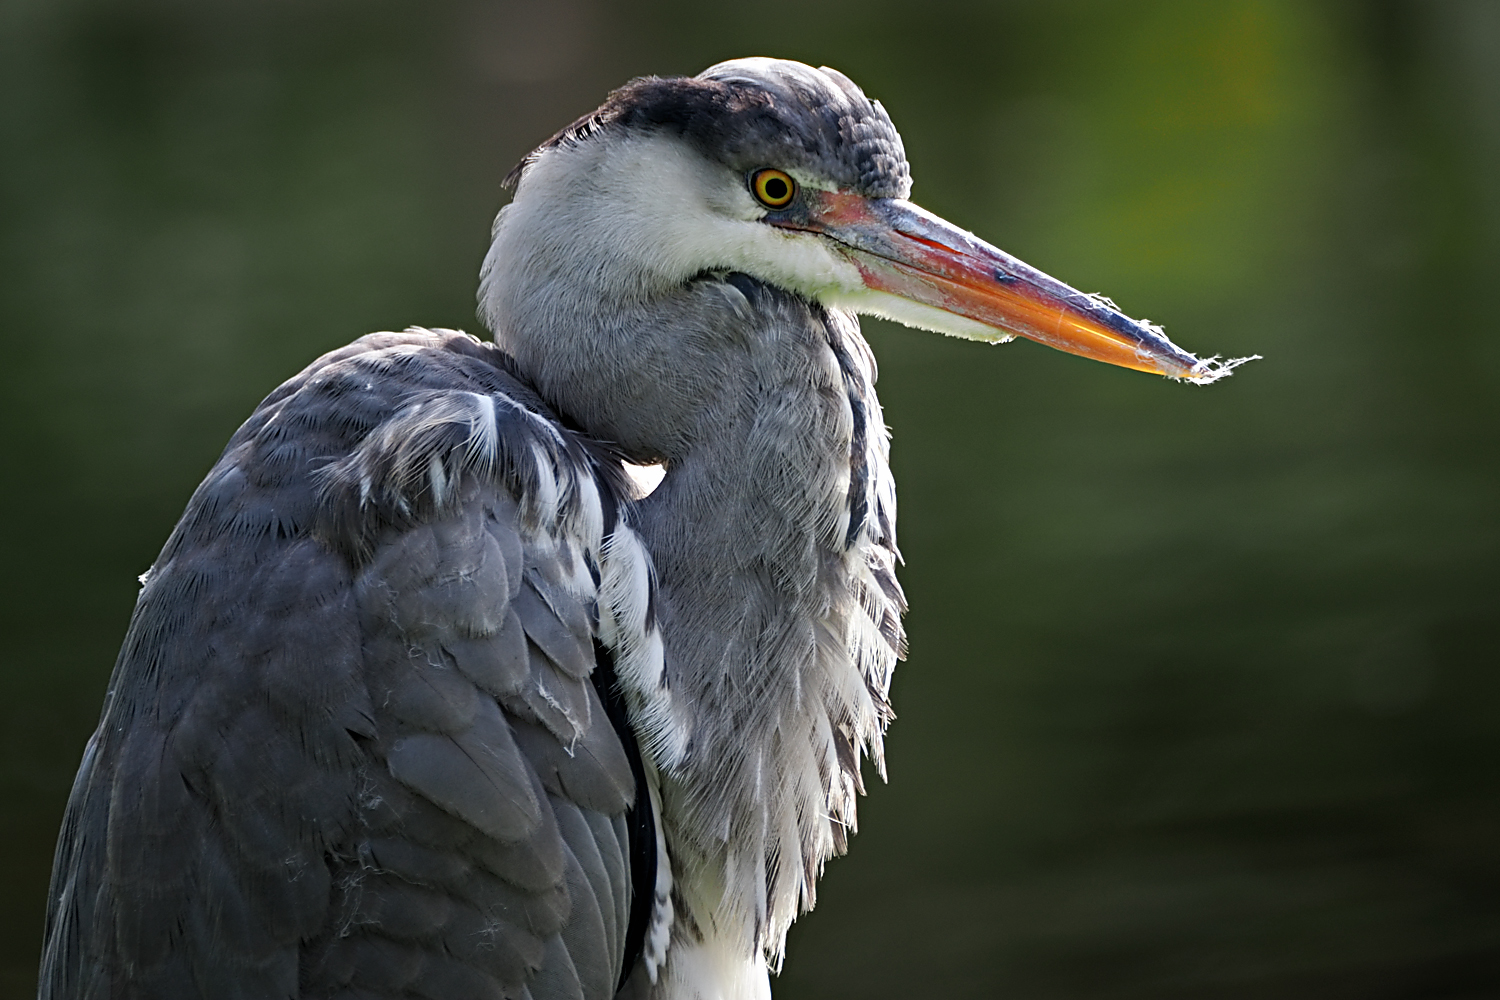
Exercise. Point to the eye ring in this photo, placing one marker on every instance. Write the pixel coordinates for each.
(773, 188)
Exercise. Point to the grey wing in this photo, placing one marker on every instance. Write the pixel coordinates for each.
(493, 843)
(363, 754)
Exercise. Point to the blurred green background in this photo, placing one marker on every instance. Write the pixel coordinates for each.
(1204, 691)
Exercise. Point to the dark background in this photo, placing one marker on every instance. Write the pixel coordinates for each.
(1204, 691)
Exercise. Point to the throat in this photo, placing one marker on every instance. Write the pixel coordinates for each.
(773, 542)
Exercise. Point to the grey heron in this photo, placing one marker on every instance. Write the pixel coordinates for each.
(425, 696)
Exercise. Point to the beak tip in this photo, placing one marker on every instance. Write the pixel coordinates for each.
(1210, 370)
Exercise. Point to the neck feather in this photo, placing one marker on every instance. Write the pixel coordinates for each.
(773, 541)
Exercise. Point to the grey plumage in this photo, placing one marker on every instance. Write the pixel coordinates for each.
(351, 744)
(425, 698)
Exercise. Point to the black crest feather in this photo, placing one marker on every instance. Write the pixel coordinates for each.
(758, 112)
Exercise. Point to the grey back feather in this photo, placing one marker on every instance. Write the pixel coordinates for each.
(351, 746)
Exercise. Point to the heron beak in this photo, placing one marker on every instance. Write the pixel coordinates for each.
(905, 251)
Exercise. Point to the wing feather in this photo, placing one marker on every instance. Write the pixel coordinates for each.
(351, 746)
(586, 936)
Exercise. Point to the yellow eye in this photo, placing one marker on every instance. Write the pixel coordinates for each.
(774, 188)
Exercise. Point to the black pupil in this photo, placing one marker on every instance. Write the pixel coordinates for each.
(776, 189)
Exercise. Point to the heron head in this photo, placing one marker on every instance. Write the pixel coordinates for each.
(792, 175)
